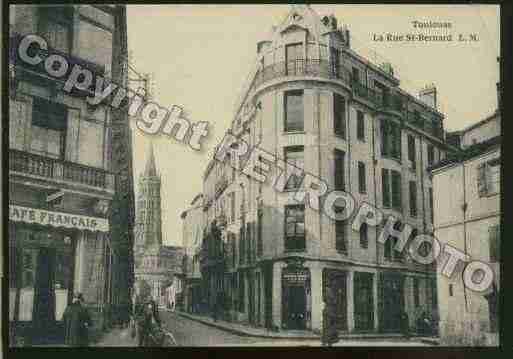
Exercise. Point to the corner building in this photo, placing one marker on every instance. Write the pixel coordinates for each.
(64, 175)
(317, 104)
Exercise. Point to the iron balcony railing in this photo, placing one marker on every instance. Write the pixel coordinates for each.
(323, 68)
(301, 67)
(37, 165)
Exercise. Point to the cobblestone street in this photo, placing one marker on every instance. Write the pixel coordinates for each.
(188, 332)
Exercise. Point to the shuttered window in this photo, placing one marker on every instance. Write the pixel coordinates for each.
(362, 179)
(413, 199)
(396, 190)
(294, 112)
(364, 240)
(385, 187)
(339, 115)
(360, 126)
(294, 155)
(340, 236)
(339, 170)
(494, 242)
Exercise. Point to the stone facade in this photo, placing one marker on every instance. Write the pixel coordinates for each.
(61, 169)
(335, 103)
(467, 217)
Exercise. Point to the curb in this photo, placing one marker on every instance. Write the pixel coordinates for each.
(243, 332)
(430, 341)
(309, 337)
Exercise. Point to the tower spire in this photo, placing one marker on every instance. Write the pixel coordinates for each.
(151, 169)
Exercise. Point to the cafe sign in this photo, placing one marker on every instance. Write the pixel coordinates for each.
(57, 219)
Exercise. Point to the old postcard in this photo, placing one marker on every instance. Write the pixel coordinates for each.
(253, 175)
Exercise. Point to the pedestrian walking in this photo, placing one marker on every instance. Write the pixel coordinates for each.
(76, 323)
(329, 322)
(405, 324)
(148, 323)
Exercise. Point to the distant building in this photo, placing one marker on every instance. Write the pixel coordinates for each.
(155, 263)
(192, 238)
(315, 103)
(467, 213)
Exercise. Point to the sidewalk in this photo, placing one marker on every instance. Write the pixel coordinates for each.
(308, 336)
(116, 338)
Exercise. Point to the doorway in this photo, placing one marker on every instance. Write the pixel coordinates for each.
(392, 301)
(295, 286)
(42, 282)
(363, 302)
(338, 280)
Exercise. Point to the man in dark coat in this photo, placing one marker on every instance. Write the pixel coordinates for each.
(405, 324)
(147, 319)
(76, 323)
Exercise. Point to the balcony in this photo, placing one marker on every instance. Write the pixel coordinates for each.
(301, 67)
(53, 169)
(324, 69)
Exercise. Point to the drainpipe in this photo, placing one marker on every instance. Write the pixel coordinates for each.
(319, 157)
(464, 207)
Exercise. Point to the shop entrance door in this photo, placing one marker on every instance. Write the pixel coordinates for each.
(392, 303)
(297, 307)
(43, 313)
(295, 283)
(43, 284)
(363, 302)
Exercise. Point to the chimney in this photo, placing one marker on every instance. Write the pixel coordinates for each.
(347, 37)
(428, 95)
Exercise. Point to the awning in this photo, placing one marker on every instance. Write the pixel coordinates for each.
(57, 219)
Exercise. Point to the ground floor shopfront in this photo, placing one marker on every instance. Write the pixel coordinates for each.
(288, 295)
(51, 256)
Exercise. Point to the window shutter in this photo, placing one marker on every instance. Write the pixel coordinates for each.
(72, 135)
(481, 179)
(493, 237)
(17, 122)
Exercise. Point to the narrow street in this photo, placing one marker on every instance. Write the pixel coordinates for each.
(188, 332)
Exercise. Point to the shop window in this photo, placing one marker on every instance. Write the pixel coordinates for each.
(294, 111)
(416, 294)
(294, 155)
(241, 293)
(295, 227)
(48, 128)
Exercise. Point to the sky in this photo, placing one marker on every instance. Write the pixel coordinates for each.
(201, 55)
